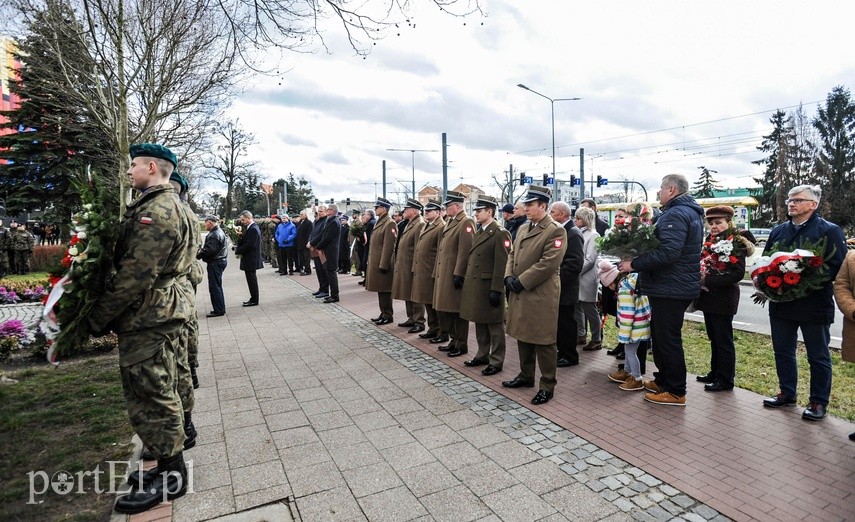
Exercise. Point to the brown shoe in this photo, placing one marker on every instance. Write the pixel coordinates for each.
(665, 398)
(632, 384)
(651, 386)
(593, 346)
(618, 376)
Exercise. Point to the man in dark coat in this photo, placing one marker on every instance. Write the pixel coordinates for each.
(514, 216)
(215, 254)
(568, 272)
(671, 278)
(327, 244)
(249, 248)
(369, 221)
(304, 230)
(321, 219)
(343, 245)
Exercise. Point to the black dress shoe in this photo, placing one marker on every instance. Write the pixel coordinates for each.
(708, 378)
(215, 314)
(170, 483)
(331, 299)
(457, 353)
(430, 334)
(616, 350)
(779, 400)
(439, 339)
(317, 292)
(517, 383)
(542, 397)
(564, 363)
(814, 412)
(475, 362)
(717, 387)
(381, 322)
(417, 328)
(490, 370)
(250, 303)
(446, 348)
(322, 295)
(852, 436)
(406, 324)
(361, 283)
(375, 319)
(621, 356)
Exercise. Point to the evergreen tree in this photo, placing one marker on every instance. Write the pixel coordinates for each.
(777, 145)
(706, 186)
(835, 163)
(299, 193)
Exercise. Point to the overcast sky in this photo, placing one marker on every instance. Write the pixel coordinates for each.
(665, 86)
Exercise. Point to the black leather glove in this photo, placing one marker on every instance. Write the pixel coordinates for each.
(383, 270)
(458, 282)
(495, 298)
(513, 284)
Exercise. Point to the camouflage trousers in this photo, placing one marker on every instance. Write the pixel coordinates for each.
(22, 262)
(151, 389)
(188, 343)
(4, 262)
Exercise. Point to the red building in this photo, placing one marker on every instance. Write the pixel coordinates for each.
(10, 68)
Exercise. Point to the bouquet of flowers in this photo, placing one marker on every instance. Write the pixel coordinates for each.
(787, 276)
(629, 237)
(721, 251)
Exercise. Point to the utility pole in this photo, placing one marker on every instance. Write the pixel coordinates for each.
(384, 179)
(511, 183)
(444, 166)
(581, 174)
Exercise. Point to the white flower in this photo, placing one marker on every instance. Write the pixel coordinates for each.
(791, 266)
(73, 251)
(81, 235)
(724, 247)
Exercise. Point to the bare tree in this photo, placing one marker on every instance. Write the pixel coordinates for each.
(227, 165)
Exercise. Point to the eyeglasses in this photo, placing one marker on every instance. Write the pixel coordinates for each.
(797, 201)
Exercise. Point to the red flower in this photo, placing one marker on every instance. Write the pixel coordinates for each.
(791, 278)
(774, 281)
(66, 262)
(733, 259)
(720, 266)
(73, 241)
(619, 221)
(815, 262)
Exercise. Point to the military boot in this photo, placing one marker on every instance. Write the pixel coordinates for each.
(189, 431)
(170, 483)
(194, 377)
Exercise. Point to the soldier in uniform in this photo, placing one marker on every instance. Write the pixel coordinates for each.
(483, 299)
(451, 260)
(147, 305)
(532, 278)
(402, 282)
(268, 243)
(23, 243)
(381, 247)
(424, 259)
(4, 259)
(9, 247)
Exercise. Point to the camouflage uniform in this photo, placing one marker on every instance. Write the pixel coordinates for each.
(268, 246)
(4, 259)
(147, 305)
(188, 344)
(23, 243)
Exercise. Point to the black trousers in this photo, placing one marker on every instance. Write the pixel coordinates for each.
(323, 280)
(666, 327)
(566, 335)
(252, 283)
(723, 352)
(303, 259)
(330, 272)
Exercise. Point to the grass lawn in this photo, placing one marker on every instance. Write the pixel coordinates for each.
(67, 418)
(755, 366)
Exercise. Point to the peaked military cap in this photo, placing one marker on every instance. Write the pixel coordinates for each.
(537, 193)
(383, 202)
(414, 203)
(433, 204)
(153, 150)
(453, 197)
(486, 202)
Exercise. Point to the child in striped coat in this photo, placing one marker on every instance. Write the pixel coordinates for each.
(633, 318)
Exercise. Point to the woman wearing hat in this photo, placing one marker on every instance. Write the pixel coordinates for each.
(722, 267)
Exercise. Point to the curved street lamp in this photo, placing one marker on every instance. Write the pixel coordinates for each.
(552, 106)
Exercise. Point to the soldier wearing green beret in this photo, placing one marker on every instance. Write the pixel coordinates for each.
(4, 259)
(147, 304)
(23, 243)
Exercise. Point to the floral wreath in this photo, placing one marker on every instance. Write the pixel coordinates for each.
(787, 276)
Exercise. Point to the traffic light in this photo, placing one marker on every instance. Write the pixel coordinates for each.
(599, 181)
(522, 178)
(545, 179)
(332, 201)
(572, 180)
(347, 202)
(316, 202)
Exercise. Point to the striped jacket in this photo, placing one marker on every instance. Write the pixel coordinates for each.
(633, 311)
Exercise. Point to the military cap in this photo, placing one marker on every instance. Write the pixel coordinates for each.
(212, 219)
(383, 202)
(344, 217)
(433, 204)
(275, 216)
(486, 202)
(721, 211)
(181, 180)
(537, 193)
(453, 197)
(154, 150)
(508, 208)
(414, 203)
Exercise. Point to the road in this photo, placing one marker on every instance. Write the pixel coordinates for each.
(755, 318)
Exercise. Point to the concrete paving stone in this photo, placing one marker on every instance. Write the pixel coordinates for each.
(670, 507)
(456, 456)
(627, 492)
(371, 479)
(517, 503)
(427, 479)
(408, 456)
(239, 392)
(359, 406)
(441, 405)
(233, 382)
(207, 418)
(287, 420)
(292, 437)
(314, 393)
(668, 490)
(460, 419)
(485, 477)
(204, 505)
(324, 405)
(650, 480)
(314, 479)
(624, 504)
(336, 378)
(437, 436)
(210, 435)
(656, 496)
(577, 502)
(224, 363)
(250, 445)
(390, 437)
(374, 420)
(374, 382)
(483, 435)
(392, 505)
(242, 419)
(403, 405)
(355, 455)
(705, 511)
(623, 478)
(305, 455)
(207, 477)
(510, 454)
(234, 370)
(279, 406)
(293, 371)
(257, 476)
(329, 421)
(595, 485)
(642, 501)
(682, 500)
(263, 383)
(456, 504)
(261, 497)
(331, 505)
(207, 454)
(659, 514)
(340, 437)
(541, 476)
(638, 486)
(349, 394)
(693, 517)
(278, 511)
(417, 420)
(610, 495)
(271, 394)
(388, 394)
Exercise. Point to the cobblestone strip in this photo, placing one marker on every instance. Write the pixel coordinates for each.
(629, 488)
(29, 313)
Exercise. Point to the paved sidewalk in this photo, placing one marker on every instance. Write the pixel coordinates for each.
(309, 411)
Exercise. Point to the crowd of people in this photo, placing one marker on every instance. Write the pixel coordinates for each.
(16, 248)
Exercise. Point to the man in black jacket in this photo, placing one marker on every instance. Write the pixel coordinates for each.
(215, 254)
(514, 218)
(369, 220)
(571, 267)
(249, 248)
(304, 230)
(327, 245)
(318, 230)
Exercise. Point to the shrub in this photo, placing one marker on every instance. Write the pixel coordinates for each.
(46, 257)
(7, 345)
(20, 284)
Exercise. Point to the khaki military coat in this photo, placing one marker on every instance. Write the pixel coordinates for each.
(844, 294)
(485, 272)
(381, 249)
(402, 281)
(451, 258)
(535, 259)
(424, 261)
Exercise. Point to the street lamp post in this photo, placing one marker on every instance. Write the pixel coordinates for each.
(413, 157)
(552, 105)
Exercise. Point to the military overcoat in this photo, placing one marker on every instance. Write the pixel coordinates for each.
(402, 282)
(451, 258)
(534, 259)
(485, 271)
(380, 251)
(424, 261)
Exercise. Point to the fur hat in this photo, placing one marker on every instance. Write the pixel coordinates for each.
(607, 272)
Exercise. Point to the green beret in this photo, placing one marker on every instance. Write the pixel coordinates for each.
(181, 180)
(153, 150)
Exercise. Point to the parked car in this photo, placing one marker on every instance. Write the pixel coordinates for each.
(761, 234)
